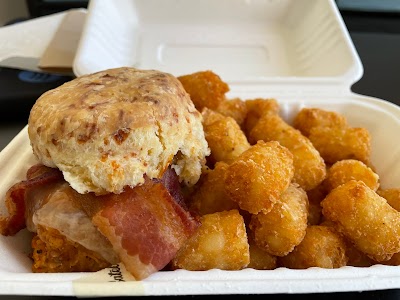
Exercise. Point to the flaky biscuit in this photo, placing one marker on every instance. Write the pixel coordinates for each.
(107, 130)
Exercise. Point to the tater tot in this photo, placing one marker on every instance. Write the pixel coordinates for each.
(210, 195)
(350, 169)
(258, 177)
(220, 242)
(224, 137)
(309, 167)
(308, 118)
(280, 230)
(336, 144)
(393, 261)
(314, 213)
(206, 89)
(392, 197)
(321, 247)
(355, 257)
(365, 218)
(234, 108)
(255, 109)
(315, 196)
(260, 259)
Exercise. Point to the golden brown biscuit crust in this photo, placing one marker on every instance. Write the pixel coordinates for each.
(107, 130)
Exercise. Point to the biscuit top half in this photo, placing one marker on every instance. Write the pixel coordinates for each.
(107, 130)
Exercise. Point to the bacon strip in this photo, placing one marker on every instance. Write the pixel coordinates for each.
(171, 181)
(37, 175)
(145, 225)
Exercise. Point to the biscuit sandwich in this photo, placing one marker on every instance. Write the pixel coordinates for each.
(114, 150)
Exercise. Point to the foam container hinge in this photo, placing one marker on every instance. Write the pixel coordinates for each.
(298, 52)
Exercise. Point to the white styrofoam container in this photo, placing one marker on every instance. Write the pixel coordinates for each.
(298, 52)
(243, 41)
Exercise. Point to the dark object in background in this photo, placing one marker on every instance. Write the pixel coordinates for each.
(38, 8)
(20, 89)
(376, 36)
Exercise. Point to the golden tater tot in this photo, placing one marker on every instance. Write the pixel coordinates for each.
(258, 177)
(393, 261)
(392, 197)
(336, 144)
(234, 108)
(314, 213)
(356, 258)
(255, 109)
(315, 196)
(260, 259)
(350, 169)
(206, 89)
(309, 167)
(220, 242)
(364, 218)
(210, 196)
(308, 118)
(280, 230)
(321, 247)
(224, 137)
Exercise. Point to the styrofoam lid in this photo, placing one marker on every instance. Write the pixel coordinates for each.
(244, 41)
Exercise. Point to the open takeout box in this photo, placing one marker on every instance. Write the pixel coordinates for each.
(298, 52)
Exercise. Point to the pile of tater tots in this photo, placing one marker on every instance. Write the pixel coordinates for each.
(275, 194)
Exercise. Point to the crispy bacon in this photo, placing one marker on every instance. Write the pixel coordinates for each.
(171, 181)
(37, 176)
(145, 225)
